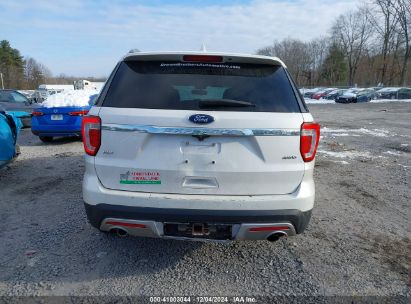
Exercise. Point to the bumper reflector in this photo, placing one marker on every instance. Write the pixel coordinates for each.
(131, 225)
(268, 228)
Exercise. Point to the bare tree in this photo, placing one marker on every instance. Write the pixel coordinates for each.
(318, 50)
(35, 73)
(352, 32)
(385, 20)
(265, 51)
(403, 11)
(368, 46)
(294, 53)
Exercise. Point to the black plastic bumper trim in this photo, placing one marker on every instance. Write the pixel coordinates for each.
(97, 213)
(76, 133)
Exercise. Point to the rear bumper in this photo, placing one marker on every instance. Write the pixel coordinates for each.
(154, 211)
(56, 132)
(72, 128)
(99, 215)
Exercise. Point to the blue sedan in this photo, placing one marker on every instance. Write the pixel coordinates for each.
(48, 123)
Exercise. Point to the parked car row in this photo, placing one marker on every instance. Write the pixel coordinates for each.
(46, 122)
(394, 93)
(353, 95)
(356, 95)
(16, 111)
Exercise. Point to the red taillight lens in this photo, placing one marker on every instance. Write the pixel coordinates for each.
(37, 113)
(310, 136)
(78, 113)
(202, 58)
(91, 132)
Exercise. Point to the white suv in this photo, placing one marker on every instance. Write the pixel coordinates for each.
(200, 146)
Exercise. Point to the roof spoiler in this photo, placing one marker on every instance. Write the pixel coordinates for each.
(226, 58)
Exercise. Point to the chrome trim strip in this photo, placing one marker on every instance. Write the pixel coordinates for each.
(200, 131)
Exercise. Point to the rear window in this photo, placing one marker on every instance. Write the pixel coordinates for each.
(201, 86)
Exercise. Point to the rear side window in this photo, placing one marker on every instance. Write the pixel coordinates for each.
(201, 86)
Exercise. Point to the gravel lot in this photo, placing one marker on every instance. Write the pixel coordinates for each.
(358, 242)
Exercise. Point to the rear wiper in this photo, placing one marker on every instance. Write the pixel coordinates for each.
(207, 103)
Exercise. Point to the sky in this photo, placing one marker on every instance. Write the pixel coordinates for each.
(88, 37)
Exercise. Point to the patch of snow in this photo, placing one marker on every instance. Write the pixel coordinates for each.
(389, 89)
(328, 101)
(326, 129)
(374, 132)
(70, 98)
(356, 132)
(405, 145)
(396, 153)
(304, 90)
(318, 101)
(345, 154)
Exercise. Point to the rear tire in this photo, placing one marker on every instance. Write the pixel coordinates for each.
(46, 139)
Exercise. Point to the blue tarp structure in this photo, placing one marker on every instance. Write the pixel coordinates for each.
(10, 125)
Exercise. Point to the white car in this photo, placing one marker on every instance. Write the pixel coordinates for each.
(200, 145)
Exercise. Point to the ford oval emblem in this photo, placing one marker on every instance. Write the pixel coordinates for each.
(201, 118)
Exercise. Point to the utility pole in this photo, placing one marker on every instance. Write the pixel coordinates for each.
(2, 83)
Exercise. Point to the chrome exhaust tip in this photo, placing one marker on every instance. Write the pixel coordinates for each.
(276, 236)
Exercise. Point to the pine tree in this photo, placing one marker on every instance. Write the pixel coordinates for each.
(11, 65)
(334, 68)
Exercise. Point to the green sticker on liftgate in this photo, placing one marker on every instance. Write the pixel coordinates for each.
(140, 178)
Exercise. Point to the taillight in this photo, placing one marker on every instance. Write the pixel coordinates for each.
(202, 58)
(310, 136)
(91, 132)
(78, 113)
(37, 113)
